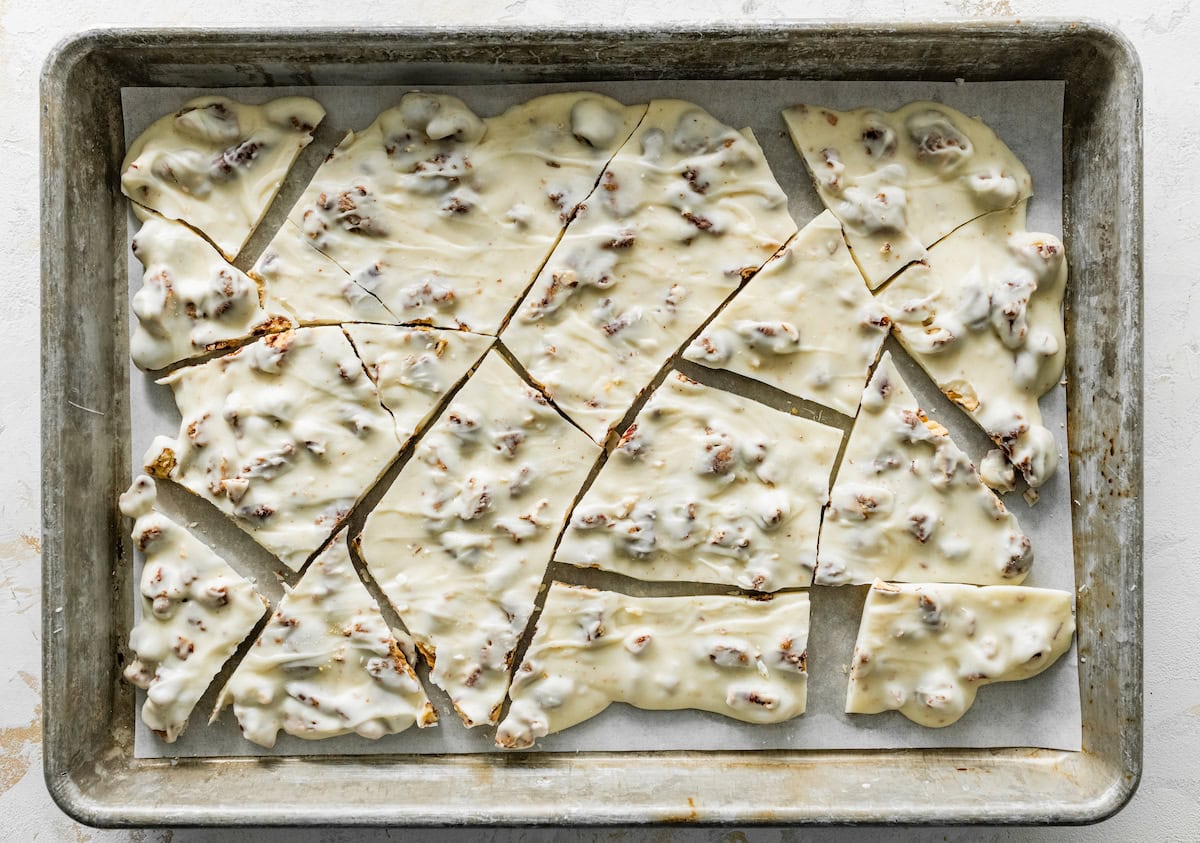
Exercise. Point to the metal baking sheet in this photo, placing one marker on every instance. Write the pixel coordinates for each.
(1041, 712)
(90, 763)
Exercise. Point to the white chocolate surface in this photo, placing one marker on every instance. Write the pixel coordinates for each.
(907, 503)
(461, 541)
(743, 658)
(446, 217)
(306, 284)
(925, 649)
(805, 324)
(414, 367)
(984, 319)
(283, 435)
(192, 300)
(216, 164)
(706, 486)
(684, 213)
(326, 664)
(195, 611)
(902, 180)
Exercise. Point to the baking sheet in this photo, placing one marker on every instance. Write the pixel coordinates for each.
(1042, 712)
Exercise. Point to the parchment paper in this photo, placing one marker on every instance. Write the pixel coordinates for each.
(1042, 712)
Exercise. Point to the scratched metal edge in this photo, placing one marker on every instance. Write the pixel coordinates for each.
(88, 760)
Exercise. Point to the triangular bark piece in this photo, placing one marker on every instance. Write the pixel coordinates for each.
(908, 504)
(900, 181)
(685, 212)
(983, 316)
(461, 541)
(706, 486)
(192, 301)
(216, 164)
(806, 324)
(196, 610)
(284, 435)
(326, 664)
(414, 367)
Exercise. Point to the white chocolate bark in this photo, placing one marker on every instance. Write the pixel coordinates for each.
(805, 324)
(900, 181)
(684, 213)
(326, 664)
(192, 300)
(414, 367)
(284, 435)
(984, 318)
(461, 541)
(706, 486)
(908, 505)
(216, 164)
(743, 658)
(925, 649)
(195, 612)
(303, 282)
(446, 217)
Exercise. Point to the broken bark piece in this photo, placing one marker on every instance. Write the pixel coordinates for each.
(907, 503)
(461, 541)
(192, 301)
(742, 658)
(685, 212)
(445, 217)
(900, 181)
(925, 649)
(196, 610)
(326, 664)
(284, 435)
(983, 316)
(805, 324)
(216, 163)
(706, 486)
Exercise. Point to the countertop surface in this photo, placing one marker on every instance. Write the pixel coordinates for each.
(1164, 808)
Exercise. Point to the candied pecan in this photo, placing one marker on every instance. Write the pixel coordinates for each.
(457, 206)
(509, 441)
(183, 647)
(728, 655)
(147, 536)
(934, 142)
(692, 176)
(722, 460)
(880, 141)
(931, 615)
(624, 240)
(238, 156)
(797, 660)
(918, 525)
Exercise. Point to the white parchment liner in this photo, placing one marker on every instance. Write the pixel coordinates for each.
(1042, 712)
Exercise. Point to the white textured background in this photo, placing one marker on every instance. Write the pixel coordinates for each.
(1165, 807)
